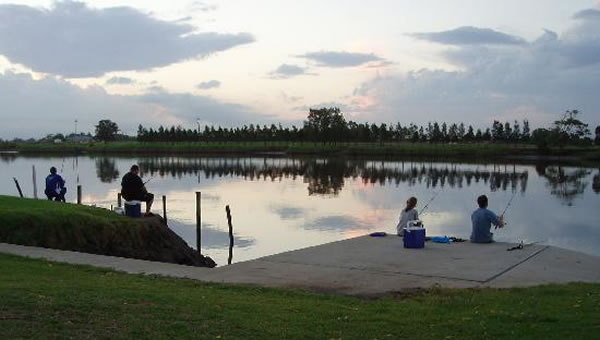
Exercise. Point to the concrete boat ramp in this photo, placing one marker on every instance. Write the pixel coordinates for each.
(369, 266)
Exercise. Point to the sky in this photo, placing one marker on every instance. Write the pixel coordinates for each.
(236, 62)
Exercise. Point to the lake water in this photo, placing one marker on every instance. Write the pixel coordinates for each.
(280, 204)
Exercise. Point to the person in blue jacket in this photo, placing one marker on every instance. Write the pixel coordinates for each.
(482, 220)
(55, 186)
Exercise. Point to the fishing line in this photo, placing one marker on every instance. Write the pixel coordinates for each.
(429, 202)
(507, 206)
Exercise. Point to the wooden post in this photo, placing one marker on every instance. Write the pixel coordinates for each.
(119, 200)
(79, 194)
(165, 208)
(230, 234)
(35, 195)
(18, 187)
(198, 221)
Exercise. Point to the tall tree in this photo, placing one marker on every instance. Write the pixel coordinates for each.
(569, 128)
(106, 130)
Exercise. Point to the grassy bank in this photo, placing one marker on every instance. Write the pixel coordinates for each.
(64, 226)
(387, 149)
(49, 300)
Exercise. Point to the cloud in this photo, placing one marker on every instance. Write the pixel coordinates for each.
(468, 35)
(587, 14)
(201, 6)
(329, 223)
(288, 212)
(285, 71)
(340, 58)
(120, 81)
(536, 80)
(55, 103)
(74, 40)
(211, 84)
(342, 106)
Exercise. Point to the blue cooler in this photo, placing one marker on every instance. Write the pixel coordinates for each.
(133, 208)
(414, 235)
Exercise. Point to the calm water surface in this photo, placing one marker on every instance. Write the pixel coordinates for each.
(281, 204)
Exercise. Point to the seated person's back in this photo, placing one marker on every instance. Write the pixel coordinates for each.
(132, 187)
(482, 220)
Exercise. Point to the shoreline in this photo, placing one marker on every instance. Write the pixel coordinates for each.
(522, 153)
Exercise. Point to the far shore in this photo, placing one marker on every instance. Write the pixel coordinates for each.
(454, 151)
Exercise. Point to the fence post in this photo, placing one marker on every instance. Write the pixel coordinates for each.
(119, 200)
(198, 221)
(164, 198)
(230, 234)
(79, 194)
(33, 177)
(18, 187)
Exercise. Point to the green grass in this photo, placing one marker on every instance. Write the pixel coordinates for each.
(387, 149)
(42, 223)
(40, 299)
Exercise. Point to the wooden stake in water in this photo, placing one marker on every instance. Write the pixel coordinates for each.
(79, 194)
(34, 182)
(165, 208)
(18, 187)
(119, 200)
(230, 234)
(198, 222)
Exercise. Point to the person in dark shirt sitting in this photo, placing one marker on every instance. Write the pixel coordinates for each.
(133, 189)
(55, 186)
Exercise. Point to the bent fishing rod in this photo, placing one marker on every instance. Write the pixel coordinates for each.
(507, 206)
(429, 202)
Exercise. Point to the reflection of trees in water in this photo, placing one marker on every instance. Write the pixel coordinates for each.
(326, 176)
(106, 170)
(564, 184)
(8, 157)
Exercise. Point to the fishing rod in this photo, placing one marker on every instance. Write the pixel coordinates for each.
(149, 180)
(507, 206)
(428, 202)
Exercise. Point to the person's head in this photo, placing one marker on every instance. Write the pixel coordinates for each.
(411, 203)
(482, 201)
(53, 170)
(135, 169)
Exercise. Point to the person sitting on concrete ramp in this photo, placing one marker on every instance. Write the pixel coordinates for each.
(55, 186)
(408, 214)
(482, 220)
(133, 189)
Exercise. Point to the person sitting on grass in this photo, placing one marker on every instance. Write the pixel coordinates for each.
(55, 186)
(482, 220)
(408, 214)
(133, 189)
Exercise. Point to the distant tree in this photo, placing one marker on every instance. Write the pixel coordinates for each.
(569, 128)
(461, 131)
(526, 134)
(543, 138)
(497, 131)
(516, 132)
(470, 135)
(106, 130)
(597, 139)
(444, 132)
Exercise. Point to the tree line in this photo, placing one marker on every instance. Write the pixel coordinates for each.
(328, 126)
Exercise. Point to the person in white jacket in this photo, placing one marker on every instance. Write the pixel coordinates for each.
(408, 214)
